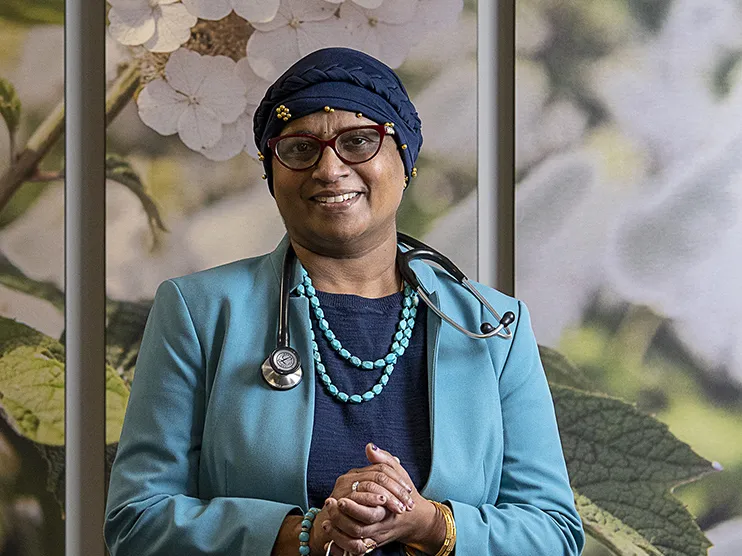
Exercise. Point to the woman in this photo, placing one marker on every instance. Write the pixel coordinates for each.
(214, 460)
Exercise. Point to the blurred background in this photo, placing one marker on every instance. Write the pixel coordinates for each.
(629, 215)
(628, 207)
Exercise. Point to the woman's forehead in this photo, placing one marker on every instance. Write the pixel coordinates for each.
(324, 123)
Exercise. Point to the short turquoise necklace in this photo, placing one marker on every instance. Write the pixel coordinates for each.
(399, 344)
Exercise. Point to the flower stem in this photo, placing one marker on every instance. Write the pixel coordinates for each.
(635, 334)
(24, 166)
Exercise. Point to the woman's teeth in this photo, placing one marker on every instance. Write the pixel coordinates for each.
(336, 198)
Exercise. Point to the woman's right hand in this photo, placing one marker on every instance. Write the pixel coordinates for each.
(377, 485)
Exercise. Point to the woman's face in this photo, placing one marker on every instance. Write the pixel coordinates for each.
(307, 200)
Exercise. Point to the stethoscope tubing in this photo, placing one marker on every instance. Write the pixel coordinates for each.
(282, 369)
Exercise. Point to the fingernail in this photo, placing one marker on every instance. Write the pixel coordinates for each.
(410, 503)
(374, 447)
(326, 526)
(327, 502)
(382, 498)
(341, 504)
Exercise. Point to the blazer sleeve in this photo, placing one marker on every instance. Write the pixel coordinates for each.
(534, 511)
(154, 507)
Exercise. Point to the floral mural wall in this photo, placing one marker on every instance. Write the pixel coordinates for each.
(629, 214)
(31, 280)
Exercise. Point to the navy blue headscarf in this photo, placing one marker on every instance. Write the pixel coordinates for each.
(344, 79)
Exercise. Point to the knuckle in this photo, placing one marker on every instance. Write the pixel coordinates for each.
(355, 530)
(381, 478)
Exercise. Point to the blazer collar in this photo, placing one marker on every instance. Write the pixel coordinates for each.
(424, 271)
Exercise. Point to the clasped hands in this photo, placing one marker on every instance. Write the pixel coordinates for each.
(383, 507)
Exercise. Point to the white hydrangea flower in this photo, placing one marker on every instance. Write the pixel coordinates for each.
(238, 136)
(197, 97)
(387, 32)
(254, 11)
(370, 4)
(159, 25)
(300, 27)
(677, 251)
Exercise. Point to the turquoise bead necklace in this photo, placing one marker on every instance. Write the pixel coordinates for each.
(400, 343)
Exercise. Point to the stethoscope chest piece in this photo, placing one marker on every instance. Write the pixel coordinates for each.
(282, 369)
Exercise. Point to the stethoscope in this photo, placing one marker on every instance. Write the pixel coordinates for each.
(282, 369)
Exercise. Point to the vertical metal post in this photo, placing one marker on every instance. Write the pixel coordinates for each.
(496, 151)
(85, 277)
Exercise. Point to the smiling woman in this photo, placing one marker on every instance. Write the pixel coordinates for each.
(213, 458)
(342, 198)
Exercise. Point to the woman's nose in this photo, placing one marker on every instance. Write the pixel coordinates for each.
(330, 168)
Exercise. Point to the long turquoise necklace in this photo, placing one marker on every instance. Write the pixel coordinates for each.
(400, 343)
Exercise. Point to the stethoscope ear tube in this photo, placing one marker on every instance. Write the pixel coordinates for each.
(421, 251)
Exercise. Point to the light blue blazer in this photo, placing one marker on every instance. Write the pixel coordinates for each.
(211, 459)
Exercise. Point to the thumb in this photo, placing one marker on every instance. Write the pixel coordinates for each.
(374, 454)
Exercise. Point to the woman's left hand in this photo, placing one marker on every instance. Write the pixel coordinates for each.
(354, 518)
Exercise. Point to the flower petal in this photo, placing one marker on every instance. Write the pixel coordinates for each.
(372, 4)
(270, 54)
(131, 26)
(209, 9)
(173, 28)
(314, 35)
(160, 106)
(199, 128)
(185, 71)
(311, 10)
(232, 143)
(222, 92)
(399, 11)
(256, 11)
(283, 17)
(255, 85)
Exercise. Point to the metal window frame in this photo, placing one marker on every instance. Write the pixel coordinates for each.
(85, 393)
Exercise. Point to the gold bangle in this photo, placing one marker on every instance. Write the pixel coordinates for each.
(450, 541)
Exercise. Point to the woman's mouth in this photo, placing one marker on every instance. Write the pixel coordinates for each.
(329, 200)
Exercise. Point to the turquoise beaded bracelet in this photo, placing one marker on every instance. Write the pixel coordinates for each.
(306, 525)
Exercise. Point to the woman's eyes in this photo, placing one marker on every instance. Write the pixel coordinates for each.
(357, 141)
(302, 146)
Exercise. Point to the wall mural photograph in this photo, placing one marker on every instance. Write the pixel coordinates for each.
(628, 173)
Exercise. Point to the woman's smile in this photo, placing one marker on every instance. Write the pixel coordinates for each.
(336, 202)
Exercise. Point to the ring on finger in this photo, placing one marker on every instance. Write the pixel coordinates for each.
(354, 486)
(370, 545)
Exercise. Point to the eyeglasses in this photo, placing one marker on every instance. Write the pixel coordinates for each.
(353, 146)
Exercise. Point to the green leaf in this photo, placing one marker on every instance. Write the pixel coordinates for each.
(119, 170)
(10, 105)
(32, 386)
(33, 11)
(623, 466)
(612, 531)
(31, 382)
(559, 370)
(124, 331)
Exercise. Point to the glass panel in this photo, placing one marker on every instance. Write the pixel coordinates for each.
(629, 214)
(31, 278)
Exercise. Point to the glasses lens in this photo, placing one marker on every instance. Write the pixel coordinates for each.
(298, 152)
(358, 145)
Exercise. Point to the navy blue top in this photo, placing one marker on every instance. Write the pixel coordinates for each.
(398, 420)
